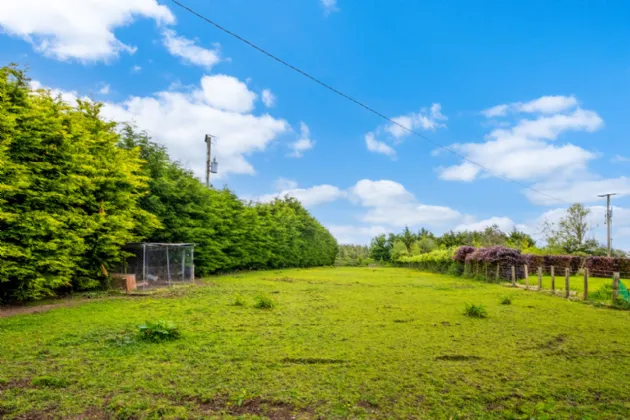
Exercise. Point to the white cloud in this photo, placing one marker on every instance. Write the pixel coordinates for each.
(578, 190)
(376, 146)
(220, 106)
(309, 197)
(426, 119)
(104, 90)
(542, 105)
(303, 143)
(285, 184)
(329, 6)
(620, 159)
(356, 235)
(77, 29)
(504, 223)
(268, 98)
(185, 48)
(524, 151)
(389, 203)
(136, 69)
(226, 93)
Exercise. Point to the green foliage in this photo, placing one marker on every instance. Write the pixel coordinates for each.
(399, 250)
(353, 256)
(264, 302)
(69, 195)
(158, 331)
(475, 311)
(506, 300)
(75, 189)
(380, 248)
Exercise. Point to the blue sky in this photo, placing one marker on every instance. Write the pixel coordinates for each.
(536, 91)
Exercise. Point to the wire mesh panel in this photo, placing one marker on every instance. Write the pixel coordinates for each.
(158, 264)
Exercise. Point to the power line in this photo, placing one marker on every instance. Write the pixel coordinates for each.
(361, 104)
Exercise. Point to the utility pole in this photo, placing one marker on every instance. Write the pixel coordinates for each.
(211, 164)
(608, 220)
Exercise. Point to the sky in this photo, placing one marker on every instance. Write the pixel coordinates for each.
(535, 92)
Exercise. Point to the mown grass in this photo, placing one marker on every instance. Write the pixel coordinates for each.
(576, 283)
(338, 343)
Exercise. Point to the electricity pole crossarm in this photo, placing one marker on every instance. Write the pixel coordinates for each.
(608, 221)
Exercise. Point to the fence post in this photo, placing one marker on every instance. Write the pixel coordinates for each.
(553, 279)
(539, 278)
(585, 283)
(513, 276)
(615, 287)
(526, 277)
(498, 274)
(567, 275)
(486, 272)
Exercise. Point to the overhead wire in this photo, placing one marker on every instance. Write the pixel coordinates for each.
(361, 104)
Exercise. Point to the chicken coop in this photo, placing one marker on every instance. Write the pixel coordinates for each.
(160, 264)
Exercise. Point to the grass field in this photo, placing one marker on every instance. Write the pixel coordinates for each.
(576, 283)
(339, 343)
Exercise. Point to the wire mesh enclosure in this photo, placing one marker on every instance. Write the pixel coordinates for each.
(160, 264)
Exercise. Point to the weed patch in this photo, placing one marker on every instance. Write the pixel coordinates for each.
(506, 300)
(475, 311)
(158, 331)
(50, 382)
(239, 300)
(264, 302)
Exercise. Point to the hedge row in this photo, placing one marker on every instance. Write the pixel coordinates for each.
(481, 259)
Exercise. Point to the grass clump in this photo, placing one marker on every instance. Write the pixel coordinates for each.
(158, 331)
(506, 300)
(49, 382)
(239, 300)
(264, 302)
(475, 311)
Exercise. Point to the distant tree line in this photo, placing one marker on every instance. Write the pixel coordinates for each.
(74, 189)
(567, 236)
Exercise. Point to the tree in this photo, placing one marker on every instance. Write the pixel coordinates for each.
(380, 248)
(426, 244)
(520, 240)
(570, 232)
(407, 238)
(398, 250)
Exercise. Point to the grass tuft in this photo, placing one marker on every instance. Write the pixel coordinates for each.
(49, 382)
(506, 300)
(264, 302)
(475, 311)
(158, 331)
(239, 300)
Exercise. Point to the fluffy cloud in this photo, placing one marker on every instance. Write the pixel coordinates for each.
(525, 150)
(356, 235)
(220, 106)
(77, 29)
(389, 203)
(427, 119)
(104, 90)
(285, 184)
(504, 223)
(329, 6)
(191, 53)
(136, 69)
(620, 159)
(303, 143)
(268, 98)
(578, 190)
(376, 146)
(543, 105)
(309, 197)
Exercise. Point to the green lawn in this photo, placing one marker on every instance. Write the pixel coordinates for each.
(340, 343)
(576, 283)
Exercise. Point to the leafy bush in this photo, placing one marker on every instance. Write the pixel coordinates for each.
(462, 252)
(264, 302)
(475, 311)
(506, 300)
(158, 331)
